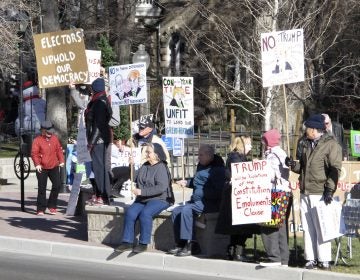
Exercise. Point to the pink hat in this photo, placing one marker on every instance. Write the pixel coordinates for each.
(272, 138)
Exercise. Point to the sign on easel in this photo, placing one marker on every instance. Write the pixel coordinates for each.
(74, 195)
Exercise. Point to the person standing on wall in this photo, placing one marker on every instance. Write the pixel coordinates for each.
(47, 155)
(98, 132)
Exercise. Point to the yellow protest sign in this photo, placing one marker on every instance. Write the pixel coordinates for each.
(60, 58)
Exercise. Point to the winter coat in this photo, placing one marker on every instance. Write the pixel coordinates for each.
(224, 222)
(320, 167)
(47, 152)
(208, 183)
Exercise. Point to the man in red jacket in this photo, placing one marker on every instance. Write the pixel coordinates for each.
(48, 156)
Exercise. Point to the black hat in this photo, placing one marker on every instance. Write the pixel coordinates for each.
(98, 85)
(146, 123)
(316, 121)
(48, 126)
(158, 149)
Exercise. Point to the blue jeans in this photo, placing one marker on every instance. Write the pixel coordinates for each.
(145, 212)
(183, 220)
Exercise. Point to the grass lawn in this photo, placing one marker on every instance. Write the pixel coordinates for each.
(352, 266)
(8, 150)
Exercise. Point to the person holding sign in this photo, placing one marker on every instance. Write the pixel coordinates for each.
(274, 236)
(47, 155)
(153, 194)
(98, 133)
(239, 149)
(207, 186)
(319, 168)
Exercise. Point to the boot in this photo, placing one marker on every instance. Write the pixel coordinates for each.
(185, 251)
(179, 246)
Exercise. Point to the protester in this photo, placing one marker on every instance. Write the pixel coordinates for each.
(47, 155)
(239, 149)
(319, 168)
(97, 116)
(207, 186)
(275, 239)
(335, 129)
(153, 194)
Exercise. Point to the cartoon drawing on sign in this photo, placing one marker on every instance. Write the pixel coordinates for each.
(136, 83)
(178, 96)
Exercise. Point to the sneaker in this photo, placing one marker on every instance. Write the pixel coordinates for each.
(140, 248)
(99, 201)
(92, 200)
(311, 264)
(52, 211)
(269, 263)
(324, 265)
(124, 247)
(40, 213)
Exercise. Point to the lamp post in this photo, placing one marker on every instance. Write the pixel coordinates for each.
(22, 20)
(141, 56)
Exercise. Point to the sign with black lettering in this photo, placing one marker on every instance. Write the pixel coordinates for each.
(61, 58)
(251, 192)
(178, 94)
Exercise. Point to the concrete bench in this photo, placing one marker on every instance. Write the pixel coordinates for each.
(105, 226)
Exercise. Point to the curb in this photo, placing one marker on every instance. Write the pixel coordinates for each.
(161, 261)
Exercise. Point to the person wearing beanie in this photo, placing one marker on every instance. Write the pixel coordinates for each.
(47, 155)
(319, 168)
(98, 133)
(153, 193)
(275, 238)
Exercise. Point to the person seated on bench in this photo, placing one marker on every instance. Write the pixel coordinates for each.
(153, 194)
(207, 187)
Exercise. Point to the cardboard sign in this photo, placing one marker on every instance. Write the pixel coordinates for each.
(60, 58)
(251, 192)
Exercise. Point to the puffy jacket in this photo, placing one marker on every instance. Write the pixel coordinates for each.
(320, 167)
(47, 152)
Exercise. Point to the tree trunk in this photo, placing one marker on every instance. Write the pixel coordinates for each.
(55, 97)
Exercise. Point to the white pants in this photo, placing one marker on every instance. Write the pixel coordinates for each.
(313, 249)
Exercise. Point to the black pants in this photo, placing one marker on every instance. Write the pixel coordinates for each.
(54, 176)
(120, 175)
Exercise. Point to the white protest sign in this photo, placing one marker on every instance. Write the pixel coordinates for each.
(282, 57)
(251, 192)
(94, 63)
(82, 152)
(128, 84)
(74, 195)
(121, 158)
(178, 93)
(178, 147)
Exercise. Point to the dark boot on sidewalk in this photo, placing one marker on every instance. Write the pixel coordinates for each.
(185, 251)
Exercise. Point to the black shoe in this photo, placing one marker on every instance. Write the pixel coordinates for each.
(186, 251)
(124, 247)
(174, 251)
(140, 248)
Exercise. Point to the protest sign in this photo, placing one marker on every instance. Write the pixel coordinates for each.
(93, 59)
(282, 57)
(61, 58)
(128, 84)
(122, 157)
(251, 192)
(178, 93)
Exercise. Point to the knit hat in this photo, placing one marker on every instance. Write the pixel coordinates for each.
(98, 85)
(271, 138)
(316, 121)
(29, 89)
(158, 149)
(48, 126)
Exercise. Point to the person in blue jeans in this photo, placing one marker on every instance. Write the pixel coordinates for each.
(207, 185)
(153, 194)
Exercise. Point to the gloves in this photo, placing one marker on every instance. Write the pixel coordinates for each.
(328, 194)
(290, 162)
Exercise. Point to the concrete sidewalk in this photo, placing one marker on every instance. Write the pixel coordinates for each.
(66, 237)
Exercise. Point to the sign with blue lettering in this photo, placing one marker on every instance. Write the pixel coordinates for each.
(178, 147)
(178, 96)
(168, 142)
